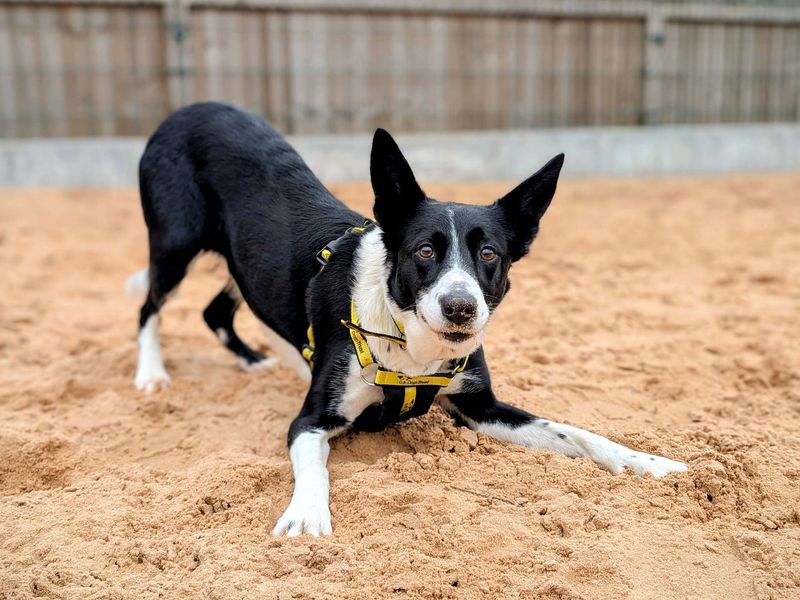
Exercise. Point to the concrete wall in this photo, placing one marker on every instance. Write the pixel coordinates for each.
(494, 155)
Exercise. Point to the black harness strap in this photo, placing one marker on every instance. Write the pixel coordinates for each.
(377, 416)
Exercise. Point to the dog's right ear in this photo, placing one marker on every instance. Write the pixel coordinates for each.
(397, 193)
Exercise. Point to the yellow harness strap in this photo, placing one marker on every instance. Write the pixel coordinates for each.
(308, 349)
(323, 256)
(383, 377)
(358, 335)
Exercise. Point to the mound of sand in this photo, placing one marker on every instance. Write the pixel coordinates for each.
(663, 314)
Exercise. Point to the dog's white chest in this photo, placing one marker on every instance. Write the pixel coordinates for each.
(357, 394)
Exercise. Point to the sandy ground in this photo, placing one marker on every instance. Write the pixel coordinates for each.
(663, 314)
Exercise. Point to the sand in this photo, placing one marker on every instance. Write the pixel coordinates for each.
(664, 314)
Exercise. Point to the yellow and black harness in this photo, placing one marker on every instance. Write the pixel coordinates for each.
(404, 396)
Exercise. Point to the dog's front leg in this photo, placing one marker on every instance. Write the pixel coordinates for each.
(477, 408)
(309, 510)
(483, 413)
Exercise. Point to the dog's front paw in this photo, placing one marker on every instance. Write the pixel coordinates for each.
(151, 380)
(642, 463)
(307, 515)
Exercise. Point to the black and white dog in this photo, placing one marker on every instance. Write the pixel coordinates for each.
(413, 292)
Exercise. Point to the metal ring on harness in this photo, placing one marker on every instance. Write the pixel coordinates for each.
(370, 381)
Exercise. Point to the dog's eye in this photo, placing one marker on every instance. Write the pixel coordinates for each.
(488, 253)
(425, 251)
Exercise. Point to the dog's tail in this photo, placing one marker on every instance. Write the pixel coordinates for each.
(138, 284)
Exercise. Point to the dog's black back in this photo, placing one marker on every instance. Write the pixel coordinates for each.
(269, 221)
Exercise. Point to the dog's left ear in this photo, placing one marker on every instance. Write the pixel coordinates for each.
(397, 193)
(523, 207)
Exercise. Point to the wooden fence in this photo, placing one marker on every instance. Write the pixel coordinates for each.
(117, 67)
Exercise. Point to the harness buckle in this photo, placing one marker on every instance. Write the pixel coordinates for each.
(308, 354)
(324, 255)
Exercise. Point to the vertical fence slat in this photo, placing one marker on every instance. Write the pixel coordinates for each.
(597, 66)
(52, 73)
(494, 82)
(233, 58)
(278, 90)
(730, 101)
(436, 70)
(336, 73)
(525, 73)
(747, 67)
(8, 102)
(793, 73)
(122, 75)
(544, 115)
(692, 66)
(454, 80)
(100, 89)
(638, 35)
(412, 98)
(775, 88)
(149, 48)
(199, 44)
(400, 61)
(471, 64)
(763, 79)
(631, 80)
(252, 65)
(685, 71)
(26, 70)
(211, 56)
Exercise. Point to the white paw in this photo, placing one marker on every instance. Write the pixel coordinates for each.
(150, 372)
(308, 515)
(642, 463)
(150, 381)
(261, 365)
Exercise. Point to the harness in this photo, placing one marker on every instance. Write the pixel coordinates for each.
(404, 396)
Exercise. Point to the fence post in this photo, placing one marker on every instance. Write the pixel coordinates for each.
(653, 76)
(177, 19)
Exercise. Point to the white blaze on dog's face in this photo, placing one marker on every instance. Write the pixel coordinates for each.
(449, 262)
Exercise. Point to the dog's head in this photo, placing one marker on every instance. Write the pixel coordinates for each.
(449, 262)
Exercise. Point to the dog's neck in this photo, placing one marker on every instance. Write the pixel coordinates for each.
(378, 312)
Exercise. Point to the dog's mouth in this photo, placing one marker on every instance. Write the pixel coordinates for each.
(456, 336)
(452, 336)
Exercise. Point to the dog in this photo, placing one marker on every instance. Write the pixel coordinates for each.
(390, 315)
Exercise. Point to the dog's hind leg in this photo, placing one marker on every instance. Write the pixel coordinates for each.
(219, 317)
(165, 273)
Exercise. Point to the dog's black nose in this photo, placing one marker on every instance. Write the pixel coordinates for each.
(458, 308)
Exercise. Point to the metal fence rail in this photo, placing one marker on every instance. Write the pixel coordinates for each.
(117, 67)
